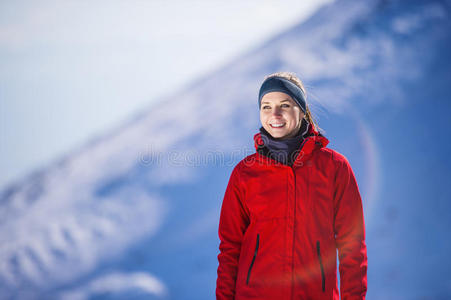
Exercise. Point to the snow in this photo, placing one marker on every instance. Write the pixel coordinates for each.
(117, 282)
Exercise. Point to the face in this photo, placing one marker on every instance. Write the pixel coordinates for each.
(280, 115)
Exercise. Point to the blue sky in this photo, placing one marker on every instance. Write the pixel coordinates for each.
(71, 70)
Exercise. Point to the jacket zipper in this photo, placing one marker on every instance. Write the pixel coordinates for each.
(253, 259)
(294, 233)
(321, 265)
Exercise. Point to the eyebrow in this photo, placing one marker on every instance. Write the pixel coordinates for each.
(285, 100)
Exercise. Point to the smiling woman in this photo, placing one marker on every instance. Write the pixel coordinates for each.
(289, 207)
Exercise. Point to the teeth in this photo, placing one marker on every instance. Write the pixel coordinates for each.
(277, 125)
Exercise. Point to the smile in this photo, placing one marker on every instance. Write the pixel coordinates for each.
(277, 125)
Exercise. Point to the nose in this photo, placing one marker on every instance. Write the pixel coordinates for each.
(276, 111)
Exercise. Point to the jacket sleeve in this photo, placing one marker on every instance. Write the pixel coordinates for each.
(233, 222)
(349, 228)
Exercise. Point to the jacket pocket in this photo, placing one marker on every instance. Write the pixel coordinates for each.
(323, 276)
(253, 259)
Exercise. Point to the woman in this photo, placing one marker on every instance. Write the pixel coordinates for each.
(288, 208)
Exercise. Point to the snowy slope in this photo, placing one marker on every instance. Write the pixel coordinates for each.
(134, 214)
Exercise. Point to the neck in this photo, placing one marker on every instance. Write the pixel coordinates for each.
(283, 150)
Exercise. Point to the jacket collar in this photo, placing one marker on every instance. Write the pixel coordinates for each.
(312, 140)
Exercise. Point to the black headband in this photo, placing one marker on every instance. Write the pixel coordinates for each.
(279, 84)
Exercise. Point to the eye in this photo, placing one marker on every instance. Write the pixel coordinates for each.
(266, 107)
(285, 105)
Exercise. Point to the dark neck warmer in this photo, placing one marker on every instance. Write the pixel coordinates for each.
(283, 151)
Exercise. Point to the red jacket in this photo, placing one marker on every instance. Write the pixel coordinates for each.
(280, 228)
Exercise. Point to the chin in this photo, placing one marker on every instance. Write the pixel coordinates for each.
(278, 135)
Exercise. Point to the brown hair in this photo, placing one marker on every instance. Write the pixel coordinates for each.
(295, 79)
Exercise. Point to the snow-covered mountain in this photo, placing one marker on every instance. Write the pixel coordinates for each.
(134, 214)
